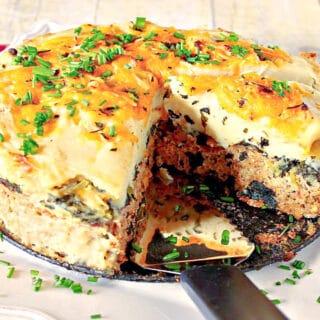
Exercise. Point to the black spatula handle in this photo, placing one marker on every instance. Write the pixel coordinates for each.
(225, 293)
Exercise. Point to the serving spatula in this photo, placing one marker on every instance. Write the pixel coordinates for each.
(176, 237)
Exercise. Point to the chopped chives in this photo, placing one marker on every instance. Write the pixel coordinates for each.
(276, 301)
(172, 239)
(308, 272)
(2, 139)
(150, 36)
(291, 218)
(187, 189)
(290, 281)
(29, 146)
(176, 208)
(62, 282)
(92, 279)
(140, 23)
(227, 199)
(295, 274)
(136, 247)
(37, 282)
(298, 264)
(278, 283)
(318, 299)
(239, 51)
(264, 292)
(163, 46)
(203, 187)
(171, 256)
(34, 272)
(284, 267)
(5, 263)
(96, 316)
(112, 131)
(10, 272)
(106, 74)
(24, 122)
(76, 288)
(163, 55)
(77, 31)
(178, 35)
(89, 291)
(280, 87)
(27, 97)
(225, 237)
(102, 103)
(185, 239)
(258, 249)
(173, 266)
(297, 239)
(42, 71)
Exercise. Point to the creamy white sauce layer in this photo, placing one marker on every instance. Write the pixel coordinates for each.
(228, 128)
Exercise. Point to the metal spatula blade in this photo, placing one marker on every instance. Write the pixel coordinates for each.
(225, 293)
(175, 236)
(171, 236)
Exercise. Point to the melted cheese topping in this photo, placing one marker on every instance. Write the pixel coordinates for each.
(80, 103)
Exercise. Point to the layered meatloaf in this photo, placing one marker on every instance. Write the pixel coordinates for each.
(89, 114)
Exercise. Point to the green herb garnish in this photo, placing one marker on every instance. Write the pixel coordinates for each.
(171, 256)
(239, 51)
(225, 237)
(92, 279)
(297, 239)
(172, 239)
(185, 239)
(150, 36)
(140, 23)
(187, 189)
(227, 199)
(5, 263)
(106, 74)
(10, 272)
(290, 281)
(29, 146)
(37, 282)
(284, 267)
(112, 131)
(77, 31)
(178, 35)
(298, 264)
(163, 55)
(136, 247)
(280, 87)
(231, 37)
